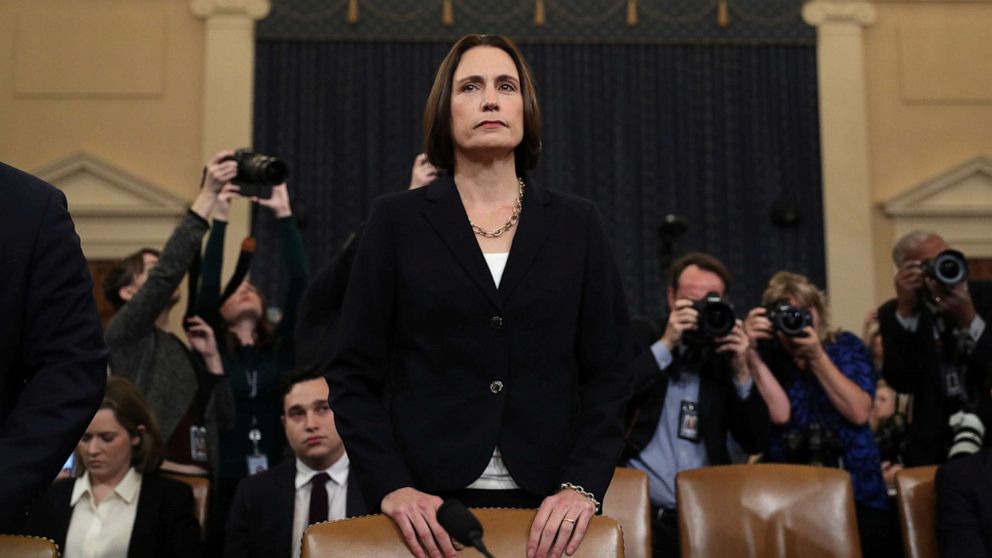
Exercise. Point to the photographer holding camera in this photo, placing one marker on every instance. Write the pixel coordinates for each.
(256, 353)
(692, 386)
(828, 379)
(937, 347)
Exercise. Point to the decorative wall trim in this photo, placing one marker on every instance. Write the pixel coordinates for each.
(818, 12)
(255, 9)
(956, 203)
(115, 211)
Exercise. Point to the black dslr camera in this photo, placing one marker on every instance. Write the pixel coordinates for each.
(716, 316)
(790, 320)
(948, 268)
(815, 445)
(258, 173)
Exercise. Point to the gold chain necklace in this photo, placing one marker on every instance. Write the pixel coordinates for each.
(517, 207)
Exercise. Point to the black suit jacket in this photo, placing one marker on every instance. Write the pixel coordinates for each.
(260, 522)
(53, 362)
(721, 410)
(164, 524)
(436, 366)
(964, 506)
(912, 366)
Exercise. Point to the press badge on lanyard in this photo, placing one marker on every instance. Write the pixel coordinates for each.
(257, 461)
(689, 421)
(198, 443)
(951, 375)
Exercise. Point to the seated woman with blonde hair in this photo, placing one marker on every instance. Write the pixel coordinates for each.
(118, 505)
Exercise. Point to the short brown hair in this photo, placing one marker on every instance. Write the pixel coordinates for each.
(438, 143)
(131, 411)
(123, 274)
(703, 261)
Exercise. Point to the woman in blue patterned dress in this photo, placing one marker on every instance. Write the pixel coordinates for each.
(828, 378)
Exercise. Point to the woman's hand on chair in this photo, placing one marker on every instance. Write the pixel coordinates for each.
(562, 519)
(415, 513)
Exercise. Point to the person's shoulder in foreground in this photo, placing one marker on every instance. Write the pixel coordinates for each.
(53, 359)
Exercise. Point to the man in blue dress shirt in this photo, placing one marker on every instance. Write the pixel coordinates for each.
(690, 391)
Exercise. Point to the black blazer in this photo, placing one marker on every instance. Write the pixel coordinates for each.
(964, 506)
(53, 361)
(260, 522)
(721, 410)
(911, 365)
(164, 524)
(435, 366)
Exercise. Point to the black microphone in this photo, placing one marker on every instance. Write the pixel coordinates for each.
(462, 524)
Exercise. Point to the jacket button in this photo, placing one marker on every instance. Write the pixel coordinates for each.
(496, 322)
(496, 386)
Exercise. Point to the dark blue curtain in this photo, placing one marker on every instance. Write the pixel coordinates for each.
(719, 134)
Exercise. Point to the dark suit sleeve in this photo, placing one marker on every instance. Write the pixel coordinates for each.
(605, 381)
(643, 366)
(358, 371)
(959, 526)
(50, 514)
(904, 362)
(64, 359)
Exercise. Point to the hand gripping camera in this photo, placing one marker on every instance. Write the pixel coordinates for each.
(790, 320)
(716, 316)
(258, 173)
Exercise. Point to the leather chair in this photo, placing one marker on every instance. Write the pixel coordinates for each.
(505, 533)
(917, 502)
(767, 510)
(627, 500)
(18, 546)
(201, 496)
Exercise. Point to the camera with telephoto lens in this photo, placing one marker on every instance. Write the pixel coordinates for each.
(790, 320)
(257, 173)
(948, 268)
(815, 445)
(716, 316)
(969, 433)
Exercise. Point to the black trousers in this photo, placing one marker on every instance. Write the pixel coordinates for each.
(664, 533)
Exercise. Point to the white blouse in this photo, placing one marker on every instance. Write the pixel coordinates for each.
(102, 530)
(496, 476)
(497, 263)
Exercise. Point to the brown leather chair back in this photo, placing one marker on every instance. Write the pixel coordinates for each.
(627, 500)
(17, 546)
(917, 503)
(201, 496)
(767, 510)
(506, 533)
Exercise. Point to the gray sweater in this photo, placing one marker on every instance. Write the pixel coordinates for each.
(160, 366)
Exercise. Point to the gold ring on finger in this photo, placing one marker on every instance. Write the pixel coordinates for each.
(569, 520)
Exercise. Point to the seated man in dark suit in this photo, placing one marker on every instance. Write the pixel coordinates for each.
(689, 392)
(271, 509)
(964, 506)
(937, 346)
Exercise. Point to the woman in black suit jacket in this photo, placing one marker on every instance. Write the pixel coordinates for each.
(119, 455)
(454, 378)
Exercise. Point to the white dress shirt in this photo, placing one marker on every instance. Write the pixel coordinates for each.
(337, 496)
(102, 530)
